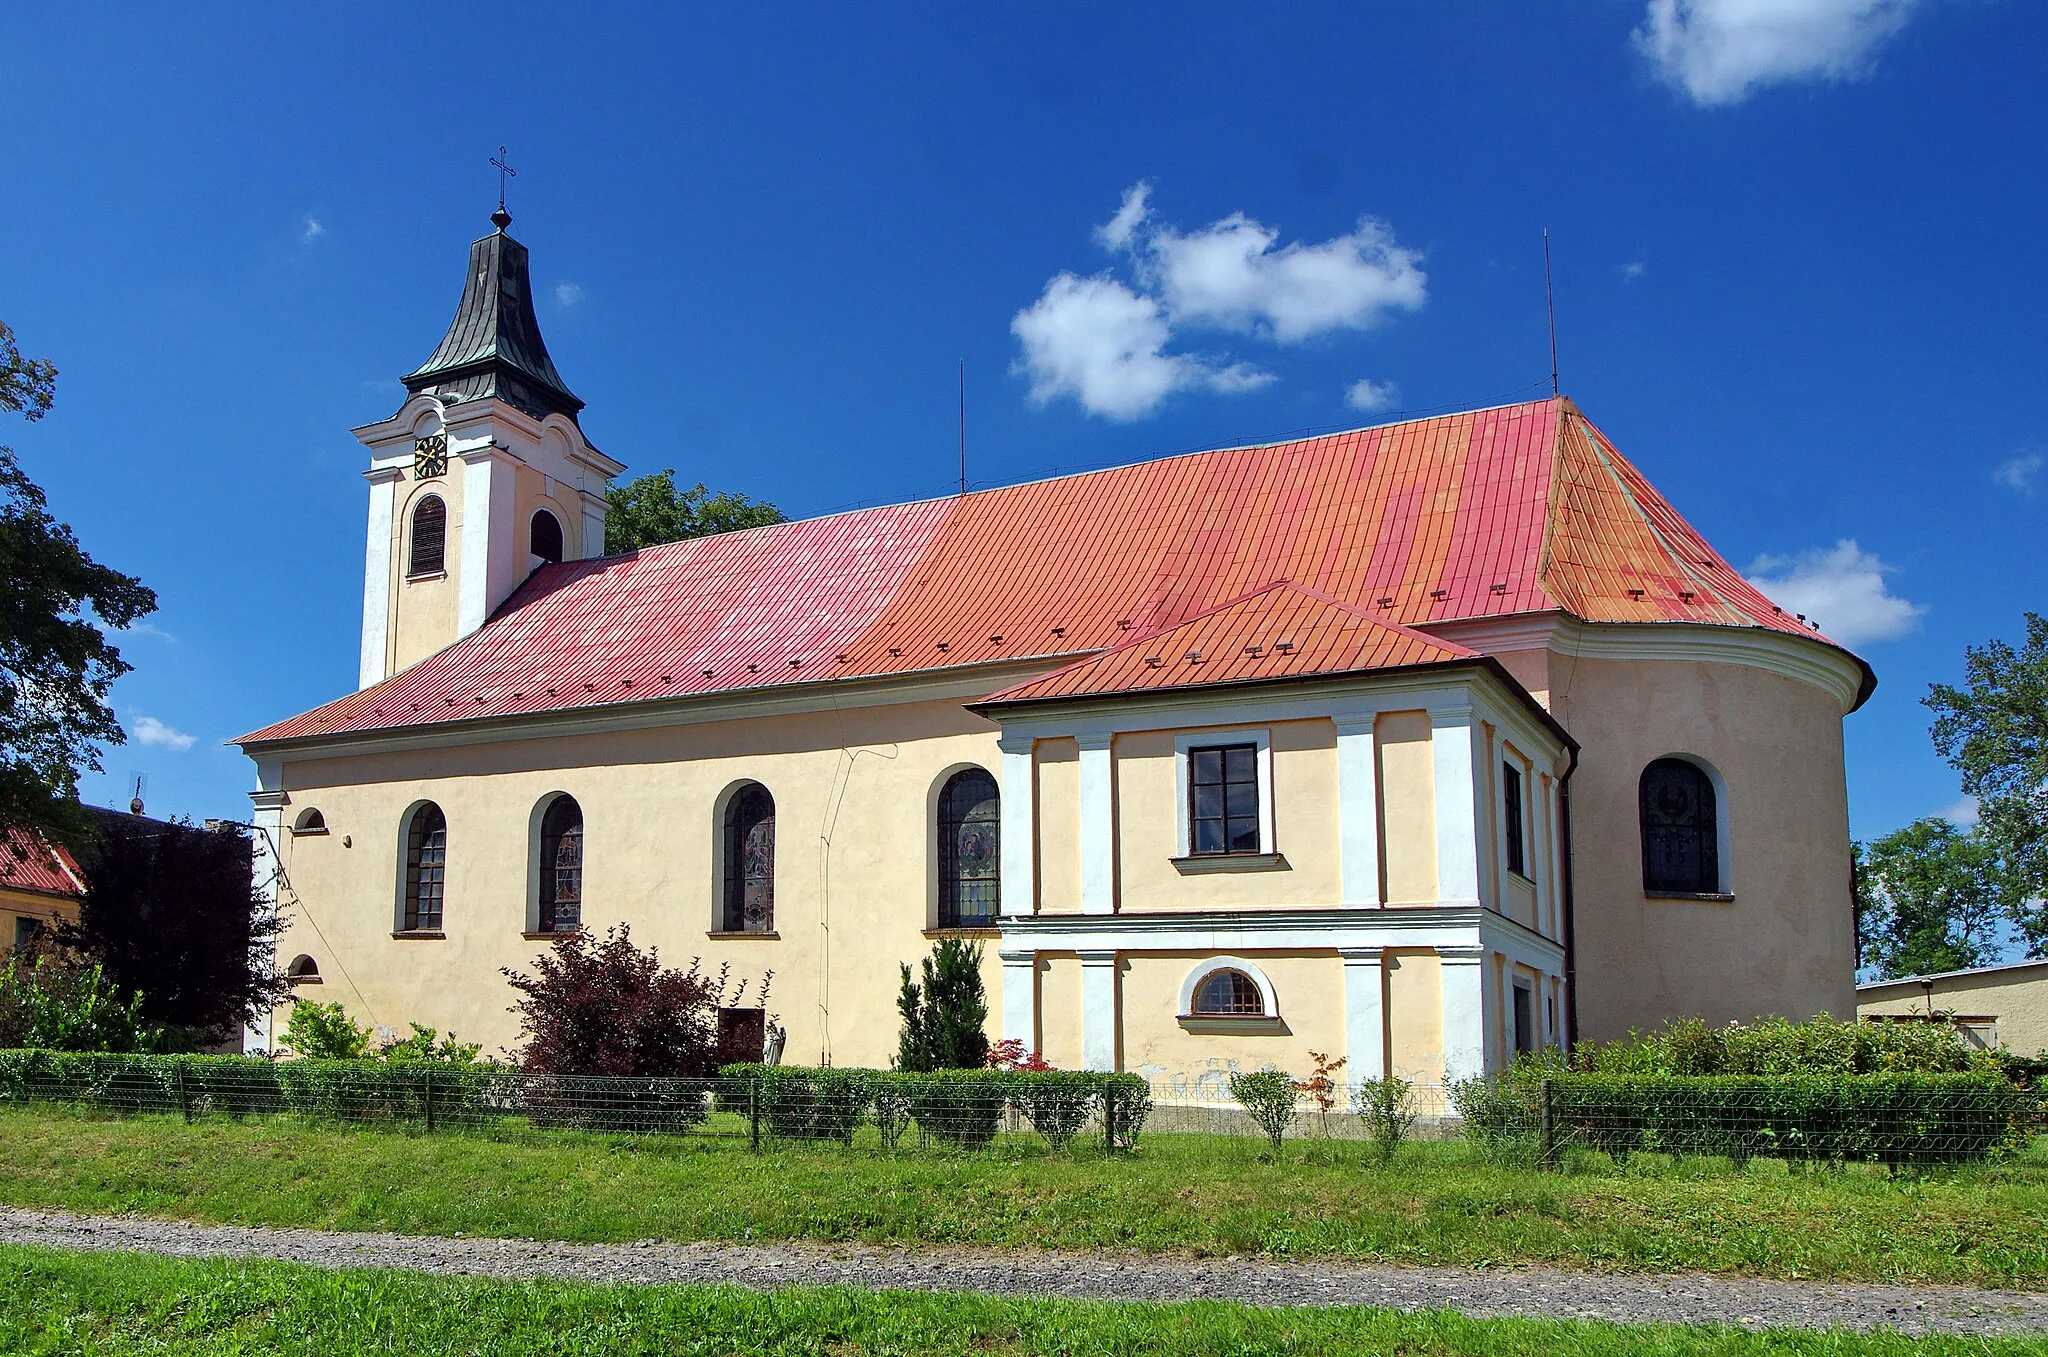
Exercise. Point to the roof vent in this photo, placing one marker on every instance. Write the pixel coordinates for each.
(945, 645)
(1284, 647)
(996, 639)
(843, 656)
(1059, 631)
(1254, 650)
(708, 673)
(1635, 593)
(753, 668)
(1194, 657)
(796, 664)
(1123, 624)
(1439, 593)
(1154, 660)
(1387, 601)
(1500, 586)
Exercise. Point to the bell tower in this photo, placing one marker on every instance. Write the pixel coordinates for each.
(482, 476)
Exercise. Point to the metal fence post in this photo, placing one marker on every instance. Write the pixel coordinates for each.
(1109, 1119)
(427, 1099)
(184, 1098)
(754, 1115)
(1546, 1133)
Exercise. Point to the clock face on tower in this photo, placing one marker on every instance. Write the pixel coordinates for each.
(430, 456)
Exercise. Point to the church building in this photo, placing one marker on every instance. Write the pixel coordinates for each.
(1419, 745)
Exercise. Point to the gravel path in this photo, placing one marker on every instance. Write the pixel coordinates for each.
(1539, 1293)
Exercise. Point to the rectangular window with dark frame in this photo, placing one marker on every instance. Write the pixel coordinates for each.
(1223, 800)
(1511, 807)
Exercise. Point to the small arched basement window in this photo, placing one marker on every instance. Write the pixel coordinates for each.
(1229, 994)
(561, 867)
(970, 854)
(429, 552)
(1681, 829)
(303, 970)
(545, 536)
(310, 821)
(426, 869)
(750, 861)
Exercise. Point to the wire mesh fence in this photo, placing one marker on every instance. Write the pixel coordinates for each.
(1887, 1120)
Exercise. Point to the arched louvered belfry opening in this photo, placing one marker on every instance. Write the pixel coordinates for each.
(428, 553)
(544, 536)
(561, 866)
(749, 861)
(1681, 829)
(970, 850)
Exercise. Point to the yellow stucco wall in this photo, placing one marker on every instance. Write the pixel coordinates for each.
(1150, 813)
(47, 910)
(2016, 997)
(1786, 943)
(424, 611)
(1059, 826)
(1196, 1059)
(1059, 1009)
(534, 490)
(1415, 1016)
(851, 789)
(1407, 806)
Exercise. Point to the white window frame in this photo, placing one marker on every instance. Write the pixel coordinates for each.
(1193, 983)
(1206, 739)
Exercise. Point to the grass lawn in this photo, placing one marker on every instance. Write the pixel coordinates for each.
(59, 1302)
(1437, 1203)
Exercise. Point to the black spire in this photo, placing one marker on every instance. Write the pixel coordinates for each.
(493, 346)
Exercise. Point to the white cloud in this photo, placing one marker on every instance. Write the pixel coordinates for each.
(310, 229)
(1841, 587)
(1722, 51)
(2018, 473)
(151, 731)
(1103, 344)
(1369, 395)
(568, 294)
(1104, 340)
(152, 629)
(1962, 814)
(1118, 230)
(1631, 271)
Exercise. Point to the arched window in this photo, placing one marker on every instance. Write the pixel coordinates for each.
(970, 837)
(1229, 994)
(310, 821)
(750, 861)
(1681, 832)
(426, 869)
(429, 537)
(561, 866)
(545, 537)
(303, 970)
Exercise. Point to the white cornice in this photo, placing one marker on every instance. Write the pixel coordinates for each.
(957, 684)
(1461, 928)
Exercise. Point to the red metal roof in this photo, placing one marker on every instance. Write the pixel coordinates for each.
(1281, 631)
(28, 863)
(1489, 513)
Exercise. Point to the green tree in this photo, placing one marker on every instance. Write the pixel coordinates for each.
(1929, 898)
(1994, 730)
(56, 664)
(649, 511)
(943, 1018)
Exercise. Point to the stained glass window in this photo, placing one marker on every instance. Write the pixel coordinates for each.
(750, 861)
(1229, 994)
(1681, 844)
(1223, 799)
(426, 869)
(561, 866)
(970, 839)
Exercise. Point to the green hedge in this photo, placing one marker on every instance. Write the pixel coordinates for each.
(959, 1107)
(238, 1085)
(1892, 1119)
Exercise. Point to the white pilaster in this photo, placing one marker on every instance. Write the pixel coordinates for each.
(489, 570)
(1098, 827)
(1020, 998)
(1098, 1010)
(1358, 811)
(1457, 828)
(594, 507)
(1020, 830)
(269, 802)
(1365, 1018)
(377, 577)
(1463, 973)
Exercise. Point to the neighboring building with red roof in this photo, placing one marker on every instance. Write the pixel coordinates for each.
(40, 886)
(1416, 744)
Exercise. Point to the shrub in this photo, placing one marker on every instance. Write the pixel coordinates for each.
(1126, 1103)
(943, 1018)
(1775, 1046)
(325, 1032)
(1268, 1097)
(1387, 1107)
(1058, 1103)
(52, 998)
(814, 1104)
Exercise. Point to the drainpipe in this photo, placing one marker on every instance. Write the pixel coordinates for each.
(1571, 951)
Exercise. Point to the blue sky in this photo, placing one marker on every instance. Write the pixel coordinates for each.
(1797, 249)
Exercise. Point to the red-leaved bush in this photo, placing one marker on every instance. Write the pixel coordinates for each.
(606, 1007)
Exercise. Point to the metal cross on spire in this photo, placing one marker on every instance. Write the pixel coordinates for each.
(501, 217)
